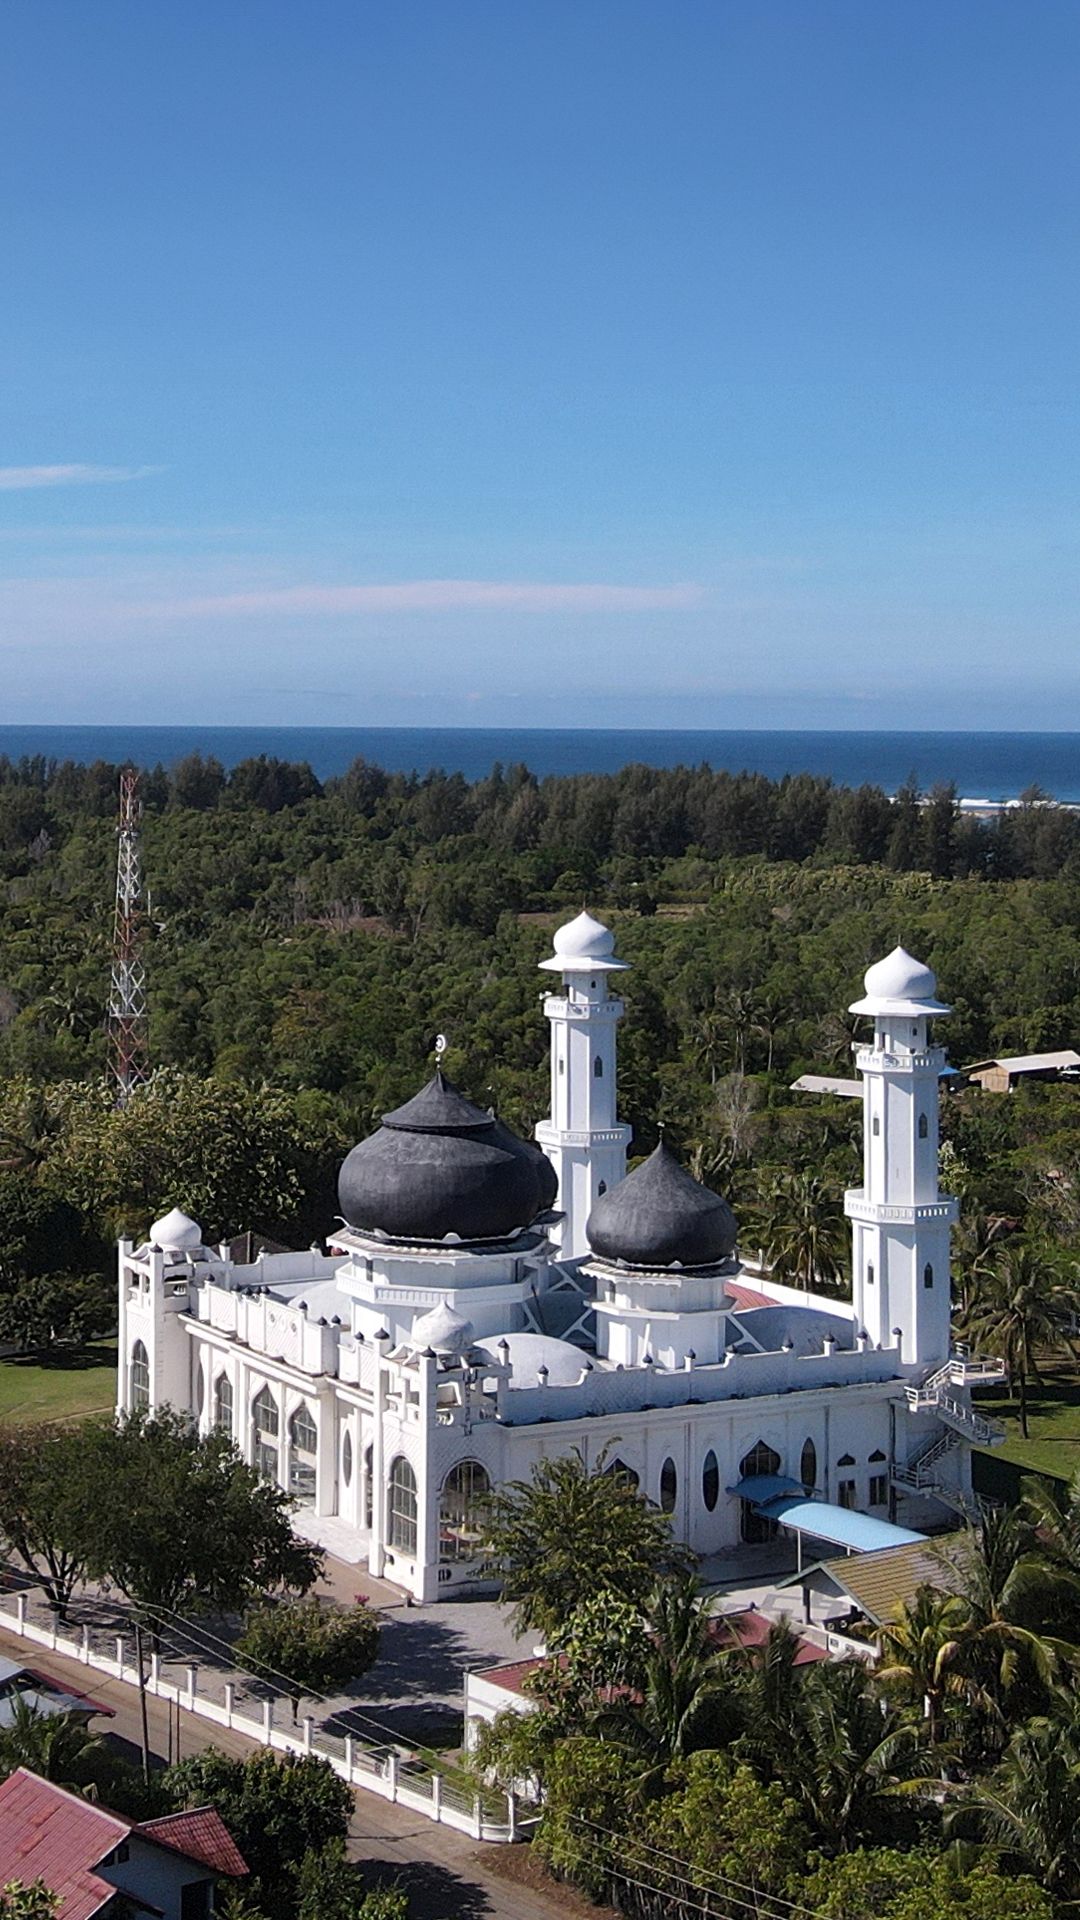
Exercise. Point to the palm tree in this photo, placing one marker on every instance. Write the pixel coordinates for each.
(54, 1745)
(683, 1678)
(851, 1758)
(920, 1651)
(1020, 1307)
(803, 1230)
(1001, 1583)
(1030, 1806)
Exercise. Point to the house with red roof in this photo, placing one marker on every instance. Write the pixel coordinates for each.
(99, 1863)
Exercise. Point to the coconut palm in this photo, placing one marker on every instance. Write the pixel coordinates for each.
(684, 1680)
(1029, 1808)
(851, 1759)
(920, 1659)
(1001, 1583)
(54, 1745)
(1020, 1307)
(803, 1230)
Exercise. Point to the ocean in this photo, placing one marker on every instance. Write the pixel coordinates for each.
(985, 766)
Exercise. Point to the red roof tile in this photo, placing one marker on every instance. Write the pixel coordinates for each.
(49, 1834)
(200, 1834)
(745, 1297)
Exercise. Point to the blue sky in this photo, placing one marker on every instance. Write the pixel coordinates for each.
(559, 362)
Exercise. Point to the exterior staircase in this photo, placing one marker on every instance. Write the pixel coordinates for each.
(960, 1422)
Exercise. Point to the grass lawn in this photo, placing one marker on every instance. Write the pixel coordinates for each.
(65, 1385)
(1053, 1421)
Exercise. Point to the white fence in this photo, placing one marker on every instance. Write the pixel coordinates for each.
(409, 1783)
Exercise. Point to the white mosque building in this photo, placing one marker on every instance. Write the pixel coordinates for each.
(485, 1301)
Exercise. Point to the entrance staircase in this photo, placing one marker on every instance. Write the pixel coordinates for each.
(960, 1422)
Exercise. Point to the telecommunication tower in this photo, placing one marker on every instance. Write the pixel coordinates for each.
(128, 1063)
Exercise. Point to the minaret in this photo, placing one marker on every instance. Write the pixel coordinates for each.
(582, 1138)
(900, 1222)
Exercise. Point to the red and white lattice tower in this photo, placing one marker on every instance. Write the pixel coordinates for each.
(128, 1063)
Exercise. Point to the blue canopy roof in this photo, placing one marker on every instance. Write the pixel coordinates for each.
(785, 1502)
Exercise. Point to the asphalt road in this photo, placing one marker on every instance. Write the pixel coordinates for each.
(448, 1876)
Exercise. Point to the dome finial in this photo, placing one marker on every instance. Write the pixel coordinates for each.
(900, 985)
(584, 945)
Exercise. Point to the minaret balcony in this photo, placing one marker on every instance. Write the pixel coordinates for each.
(943, 1211)
(872, 1060)
(550, 1135)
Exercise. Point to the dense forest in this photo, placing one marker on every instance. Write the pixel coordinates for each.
(304, 944)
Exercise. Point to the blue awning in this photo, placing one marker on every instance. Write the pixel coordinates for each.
(840, 1526)
(760, 1488)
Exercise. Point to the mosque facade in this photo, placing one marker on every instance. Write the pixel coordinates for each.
(486, 1300)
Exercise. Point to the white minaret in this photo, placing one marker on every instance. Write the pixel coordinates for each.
(900, 1222)
(582, 1138)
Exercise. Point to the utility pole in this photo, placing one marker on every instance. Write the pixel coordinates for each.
(128, 1063)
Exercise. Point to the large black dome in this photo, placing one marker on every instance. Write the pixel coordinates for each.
(438, 1166)
(660, 1216)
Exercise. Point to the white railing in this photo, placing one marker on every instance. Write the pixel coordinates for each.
(381, 1771)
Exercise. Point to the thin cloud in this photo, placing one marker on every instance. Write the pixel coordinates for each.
(75, 474)
(437, 596)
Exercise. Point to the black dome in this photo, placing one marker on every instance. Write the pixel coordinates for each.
(660, 1216)
(438, 1166)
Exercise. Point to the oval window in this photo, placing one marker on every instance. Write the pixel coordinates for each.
(710, 1481)
(346, 1459)
(669, 1486)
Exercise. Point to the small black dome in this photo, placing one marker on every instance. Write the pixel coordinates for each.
(440, 1165)
(660, 1216)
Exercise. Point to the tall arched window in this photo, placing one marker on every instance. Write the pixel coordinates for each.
(710, 1481)
(598, 1068)
(223, 1403)
(346, 1458)
(757, 1527)
(669, 1486)
(200, 1388)
(878, 1490)
(928, 1276)
(264, 1422)
(401, 1514)
(461, 1503)
(846, 1488)
(618, 1470)
(924, 1126)
(808, 1465)
(139, 1377)
(304, 1439)
(369, 1490)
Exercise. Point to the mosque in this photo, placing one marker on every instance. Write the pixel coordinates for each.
(486, 1300)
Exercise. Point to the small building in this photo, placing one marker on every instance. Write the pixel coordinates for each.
(828, 1083)
(43, 1695)
(1001, 1076)
(871, 1587)
(98, 1863)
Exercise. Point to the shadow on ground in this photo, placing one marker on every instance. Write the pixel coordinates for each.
(434, 1892)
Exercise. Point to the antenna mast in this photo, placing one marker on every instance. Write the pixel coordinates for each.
(128, 1064)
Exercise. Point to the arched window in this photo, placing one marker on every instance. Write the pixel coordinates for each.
(760, 1459)
(618, 1470)
(924, 1126)
(878, 1490)
(369, 1490)
(304, 1438)
(846, 1488)
(346, 1458)
(808, 1465)
(223, 1403)
(669, 1486)
(461, 1502)
(870, 1276)
(602, 1188)
(875, 1125)
(264, 1421)
(756, 1527)
(139, 1377)
(598, 1068)
(710, 1481)
(401, 1513)
(928, 1275)
(200, 1390)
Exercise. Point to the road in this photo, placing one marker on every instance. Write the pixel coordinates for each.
(448, 1876)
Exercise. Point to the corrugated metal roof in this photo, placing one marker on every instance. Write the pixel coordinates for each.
(883, 1582)
(828, 1083)
(841, 1526)
(1029, 1062)
(49, 1834)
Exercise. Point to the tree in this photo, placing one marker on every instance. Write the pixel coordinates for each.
(50, 1500)
(34, 1902)
(1020, 1307)
(682, 1678)
(311, 1647)
(566, 1534)
(277, 1810)
(329, 1887)
(851, 1758)
(1030, 1806)
(920, 1658)
(54, 1745)
(803, 1230)
(1001, 1582)
(57, 1309)
(184, 1523)
(881, 1883)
